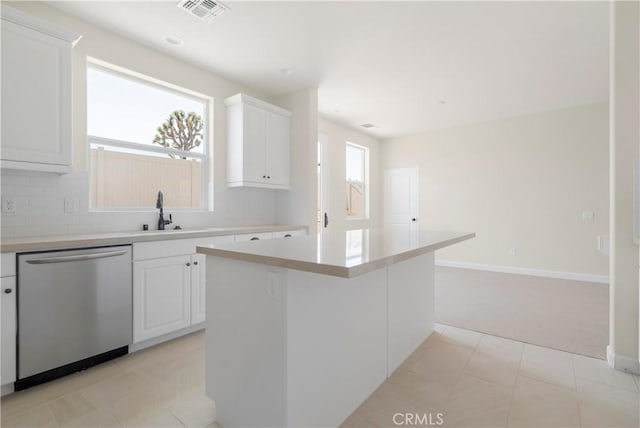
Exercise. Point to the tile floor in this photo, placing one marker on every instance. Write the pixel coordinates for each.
(473, 379)
(161, 386)
(470, 378)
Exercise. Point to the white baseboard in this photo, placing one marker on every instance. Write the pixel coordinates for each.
(165, 337)
(7, 389)
(622, 363)
(600, 279)
(611, 358)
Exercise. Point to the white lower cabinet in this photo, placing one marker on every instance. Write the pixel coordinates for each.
(198, 288)
(169, 286)
(161, 296)
(169, 282)
(9, 321)
(9, 330)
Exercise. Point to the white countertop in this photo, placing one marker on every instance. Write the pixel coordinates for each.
(122, 238)
(346, 254)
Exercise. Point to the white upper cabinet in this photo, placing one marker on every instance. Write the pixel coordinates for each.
(257, 143)
(36, 93)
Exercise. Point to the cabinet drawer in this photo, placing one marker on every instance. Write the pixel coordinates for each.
(177, 247)
(289, 233)
(253, 236)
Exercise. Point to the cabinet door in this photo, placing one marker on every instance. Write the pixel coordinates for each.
(36, 97)
(9, 325)
(161, 296)
(198, 288)
(277, 152)
(253, 141)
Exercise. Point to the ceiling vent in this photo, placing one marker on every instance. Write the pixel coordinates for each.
(204, 10)
(368, 125)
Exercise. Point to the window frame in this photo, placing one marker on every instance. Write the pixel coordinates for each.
(365, 193)
(207, 137)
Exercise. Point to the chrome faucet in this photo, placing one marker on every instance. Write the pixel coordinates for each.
(160, 204)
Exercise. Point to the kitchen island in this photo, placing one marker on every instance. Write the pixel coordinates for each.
(301, 330)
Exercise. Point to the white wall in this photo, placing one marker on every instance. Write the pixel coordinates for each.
(40, 197)
(625, 149)
(338, 135)
(518, 183)
(298, 205)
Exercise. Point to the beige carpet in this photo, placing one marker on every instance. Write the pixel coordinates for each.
(571, 316)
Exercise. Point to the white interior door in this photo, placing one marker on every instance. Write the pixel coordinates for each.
(401, 205)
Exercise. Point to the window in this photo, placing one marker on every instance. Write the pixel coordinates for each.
(144, 136)
(355, 249)
(357, 178)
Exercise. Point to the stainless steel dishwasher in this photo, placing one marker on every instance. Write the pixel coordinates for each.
(74, 311)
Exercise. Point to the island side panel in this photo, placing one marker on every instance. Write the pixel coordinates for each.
(336, 344)
(245, 342)
(411, 306)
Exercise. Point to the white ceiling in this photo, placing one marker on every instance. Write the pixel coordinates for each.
(390, 63)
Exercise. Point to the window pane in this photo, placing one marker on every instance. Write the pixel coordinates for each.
(123, 109)
(125, 178)
(354, 250)
(356, 177)
(355, 164)
(130, 158)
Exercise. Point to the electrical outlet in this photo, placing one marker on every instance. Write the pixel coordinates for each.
(8, 205)
(273, 285)
(70, 205)
(603, 244)
(513, 251)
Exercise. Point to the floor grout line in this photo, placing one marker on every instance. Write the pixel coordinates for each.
(513, 393)
(575, 382)
(548, 383)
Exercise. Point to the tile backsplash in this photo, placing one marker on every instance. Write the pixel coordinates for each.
(40, 208)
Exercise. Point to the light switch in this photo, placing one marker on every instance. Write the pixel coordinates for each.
(587, 215)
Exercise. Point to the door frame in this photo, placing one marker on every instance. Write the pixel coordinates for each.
(323, 183)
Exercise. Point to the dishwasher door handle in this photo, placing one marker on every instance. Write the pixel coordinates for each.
(78, 258)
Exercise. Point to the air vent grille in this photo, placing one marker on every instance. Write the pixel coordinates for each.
(204, 10)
